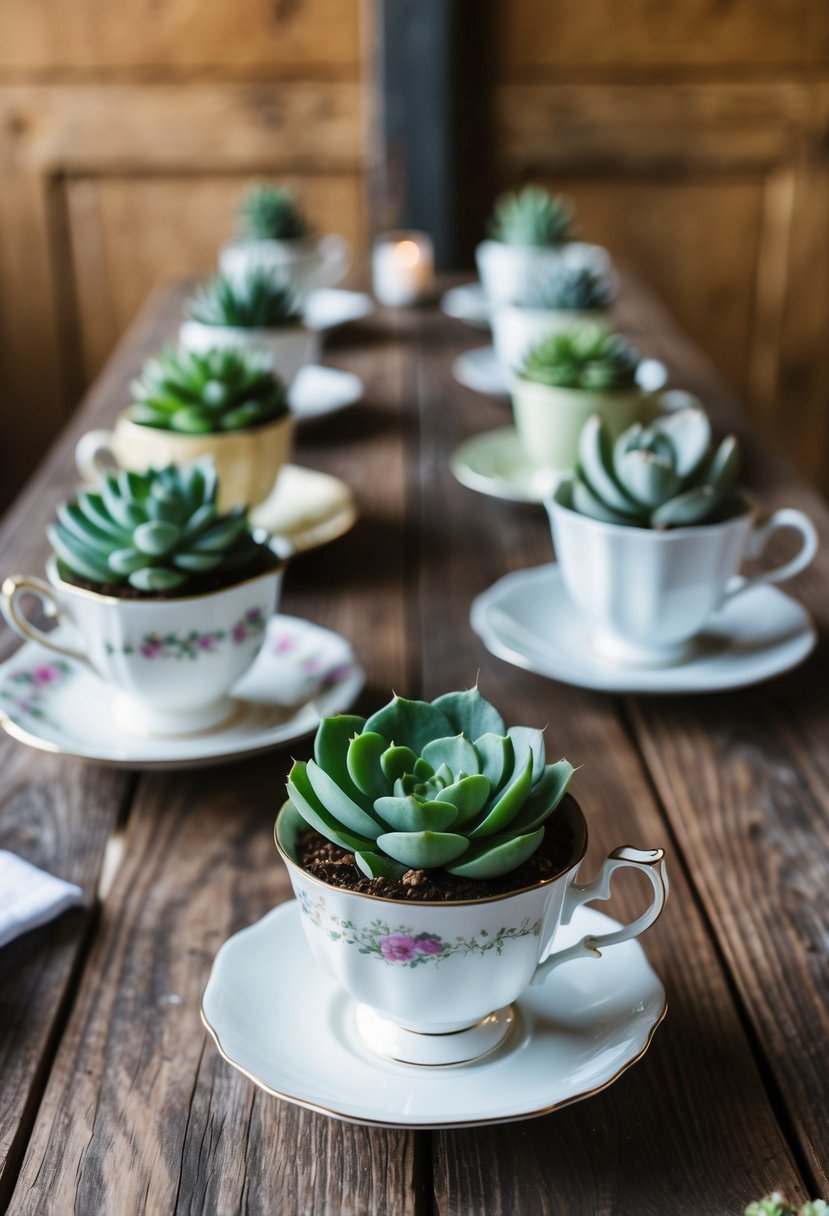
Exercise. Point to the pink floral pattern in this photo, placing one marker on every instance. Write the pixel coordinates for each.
(193, 644)
(32, 687)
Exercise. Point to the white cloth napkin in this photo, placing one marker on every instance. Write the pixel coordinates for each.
(30, 897)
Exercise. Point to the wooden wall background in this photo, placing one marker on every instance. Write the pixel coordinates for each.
(694, 138)
(127, 132)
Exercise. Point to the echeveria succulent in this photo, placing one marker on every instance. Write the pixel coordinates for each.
(661, 475)
(583, 357)
(271, 213)
(156, 531)
(424, 785)
(531, 217)
(570, 288)
(776, 1205)
(258, 300)
(196, 394)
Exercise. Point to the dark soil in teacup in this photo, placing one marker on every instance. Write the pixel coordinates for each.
(264, 562)
(560, 848)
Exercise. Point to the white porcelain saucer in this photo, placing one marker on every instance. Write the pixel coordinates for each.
(305, 509)
(318, 391)
(526, 618)
(328, 307)
(468, 303)
(302, 673)
(495, 463)
(480, 370)
(278, 1018)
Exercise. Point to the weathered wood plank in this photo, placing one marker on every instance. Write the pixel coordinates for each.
(690, 1129)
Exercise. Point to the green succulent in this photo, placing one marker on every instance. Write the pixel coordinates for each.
(776, 1205)
(662, 475)
(570, 288)
(424, 785)
(156, 531)
(197, 394)
(256, 301)
(271, 213)
(531, 217)
(587, 357)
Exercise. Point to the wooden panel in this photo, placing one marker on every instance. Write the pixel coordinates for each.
(129, 233)
(267, 34)
(661, 33)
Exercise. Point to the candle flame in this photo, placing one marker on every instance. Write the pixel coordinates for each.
(408, 253)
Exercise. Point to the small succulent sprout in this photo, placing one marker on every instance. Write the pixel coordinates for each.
(570, 289)
(271, 213)
(665, 474)
(258, 300)
(199, 394)
(776, 1205)
(156, 531)
(531, 217)
(588, 357)
(423, 785)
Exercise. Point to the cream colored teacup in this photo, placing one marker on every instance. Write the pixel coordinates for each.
(171, 663)
(435, 982)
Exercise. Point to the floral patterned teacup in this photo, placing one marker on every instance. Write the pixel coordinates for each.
(171, 662)
(435, 982)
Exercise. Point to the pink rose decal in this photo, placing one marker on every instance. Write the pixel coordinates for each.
(151, 648)
(428, 944)
(397, 948)
(47, 673)
(239, 633)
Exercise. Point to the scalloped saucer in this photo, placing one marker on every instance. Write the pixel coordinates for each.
(278, 1018)
(302, 673)
(305, 509)
(527, 619)
(480, 370)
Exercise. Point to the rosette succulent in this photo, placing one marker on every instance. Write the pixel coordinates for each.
(156, 531)
(422, 785)
(586, 357)
(776, 1205)
(256, 301)
(571, 289)
(661, 475)
(531, 217)
(197, 394)
(271, 213)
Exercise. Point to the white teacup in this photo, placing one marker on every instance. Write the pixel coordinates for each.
(650, 592)
(510, 272)
(303, 264)
(171, 662)
(435, 982)
(288, 348)
(516, 329)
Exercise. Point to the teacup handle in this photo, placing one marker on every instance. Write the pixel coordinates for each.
(18, 585)
(336, 256)
(89, 449)
(785, 517)
(650, 862)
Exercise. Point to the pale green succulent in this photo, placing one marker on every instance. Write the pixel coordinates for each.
(271, 213)
(587, 357)
(256, 300)
(424, 785)
(198, 394)
(531, 217)
(570, 288)
(776, 1205)
(665, 474)
(156, 531)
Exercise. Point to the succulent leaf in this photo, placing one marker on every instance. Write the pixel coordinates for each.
(508, 805)
(531, 217)
(497, 855)
(470, 713)
(423, 850)
(586, 357)
(271, 213)
(412, 723)
(412, 815)
(569, 289)
(337, 801)
(363, 758)
(256, 300)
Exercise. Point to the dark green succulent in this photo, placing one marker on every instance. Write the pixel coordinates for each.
(570, 288)
(271, 213)
(156, 531)
(583, 357)
(531, 217)
(424, 785)
(776, 1205)
(257, 300)
(665, 474)
(197, 394)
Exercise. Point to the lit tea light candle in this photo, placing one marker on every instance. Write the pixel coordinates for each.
(403, 267)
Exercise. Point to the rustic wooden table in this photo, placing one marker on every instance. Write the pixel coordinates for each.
(114, 1100)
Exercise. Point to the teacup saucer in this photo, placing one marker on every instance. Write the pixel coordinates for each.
(526, 618)
(302, 673)
(468, 303)
(480, 370)
(573, 1035)
(305, 509)
(328, 307)
(495, 463)
(318, 391)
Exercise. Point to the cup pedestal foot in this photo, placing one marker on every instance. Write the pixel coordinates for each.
(431, 1049)
(618, 650)
(141, 720)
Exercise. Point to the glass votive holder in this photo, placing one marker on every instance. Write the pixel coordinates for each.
(402, 268)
